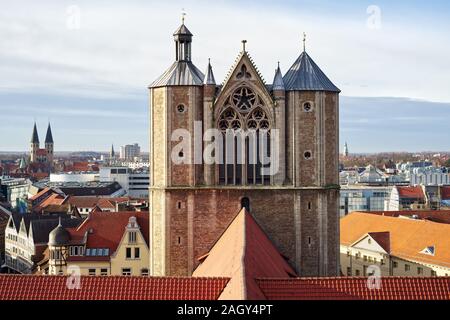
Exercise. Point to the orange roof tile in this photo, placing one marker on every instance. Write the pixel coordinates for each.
(356, 288)
(44, 287)
(441, 216)
(243, 253)
(408, 237)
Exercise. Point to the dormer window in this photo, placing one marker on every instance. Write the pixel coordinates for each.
(428, 250)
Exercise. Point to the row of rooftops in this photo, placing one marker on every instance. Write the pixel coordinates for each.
(303, 75)
(243, 264)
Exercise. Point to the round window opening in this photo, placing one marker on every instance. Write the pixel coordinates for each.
(307, 107)
(181, 108)
(307, 155)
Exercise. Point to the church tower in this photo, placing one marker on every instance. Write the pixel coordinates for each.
(34, 144)
(194, 200)
(49, 145)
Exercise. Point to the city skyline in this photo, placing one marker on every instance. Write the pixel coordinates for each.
(93, 90)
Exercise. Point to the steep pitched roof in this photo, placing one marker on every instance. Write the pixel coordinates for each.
(49, 136)
(383, 239)
(243, 253)
(356, 288)
(182, 30)
(244, 58)
(209, 78)
(407, 237)
(278, 83)
(44, 287)
(35, 136)
(305, 75)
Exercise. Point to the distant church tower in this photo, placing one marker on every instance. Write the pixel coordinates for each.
(34, 147)
(192, 204)
(112, 154)
(49, 144)
(42, 155)
(345, 153)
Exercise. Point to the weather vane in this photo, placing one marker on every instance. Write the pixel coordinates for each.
(304, 41)
(183, 15)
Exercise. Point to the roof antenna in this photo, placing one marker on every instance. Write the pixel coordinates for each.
(304, 42)
(243, 45)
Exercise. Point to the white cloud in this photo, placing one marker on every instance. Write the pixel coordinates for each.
(121, 47)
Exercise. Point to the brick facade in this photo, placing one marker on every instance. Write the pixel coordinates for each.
(298, 210)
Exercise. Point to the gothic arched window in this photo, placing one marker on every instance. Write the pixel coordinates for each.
(243, 121)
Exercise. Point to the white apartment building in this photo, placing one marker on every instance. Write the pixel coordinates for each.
(135, 182)
(130, 151)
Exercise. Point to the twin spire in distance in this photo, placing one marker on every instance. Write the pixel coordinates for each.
(48, 136)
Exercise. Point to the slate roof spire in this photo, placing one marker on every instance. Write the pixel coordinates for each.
(35, 136)
(49, 136)
(305, 75)
(209, 78)
(278, 83)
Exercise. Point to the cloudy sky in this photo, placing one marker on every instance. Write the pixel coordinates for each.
(85, 65)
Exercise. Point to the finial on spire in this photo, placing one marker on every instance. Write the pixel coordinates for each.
(304, 41)
(183, 15)
(278, 64)
(243, 45)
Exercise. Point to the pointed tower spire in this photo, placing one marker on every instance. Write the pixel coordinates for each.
(49, 136)
(35, 137)
(209, 78)
(278, 83)
(112, 153)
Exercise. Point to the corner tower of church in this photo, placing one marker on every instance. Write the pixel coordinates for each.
(192, 203)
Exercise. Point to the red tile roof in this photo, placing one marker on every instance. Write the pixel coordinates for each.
(53, 199)
(43, 287)
(107, 230)
(411, 192)
(243, 253)
(383, 239)
(356, 288)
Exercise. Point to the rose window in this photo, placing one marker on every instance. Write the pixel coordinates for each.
(244, 99)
